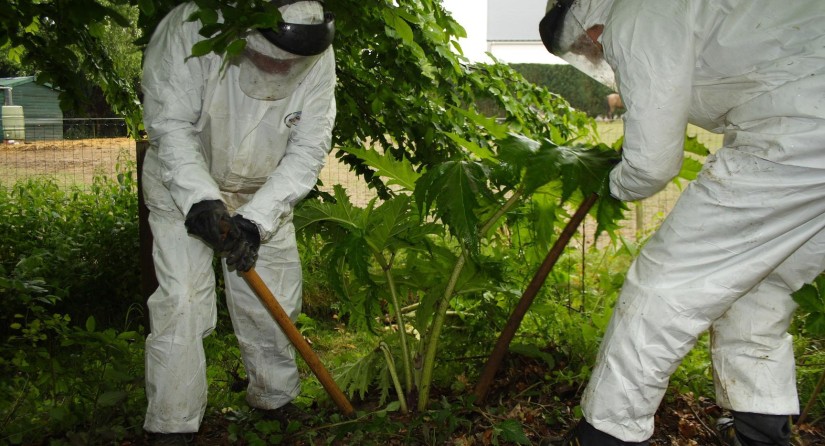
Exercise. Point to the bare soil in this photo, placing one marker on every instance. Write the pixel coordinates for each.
(545, 414)
(69, 162)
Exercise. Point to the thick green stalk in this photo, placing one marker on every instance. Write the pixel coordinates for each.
(444, 305)
(399, 316)
(433, 334)
(402, 400)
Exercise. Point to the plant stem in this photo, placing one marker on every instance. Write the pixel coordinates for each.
(402, 400)
(812, 399)
(434, 332)
(444, 305)
(399, 316)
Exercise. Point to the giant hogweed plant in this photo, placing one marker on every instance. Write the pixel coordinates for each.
(434, 239)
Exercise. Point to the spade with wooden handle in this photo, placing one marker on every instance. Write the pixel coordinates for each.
(277, 311)
(283, 320)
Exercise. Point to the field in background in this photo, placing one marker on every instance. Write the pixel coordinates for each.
(75, 162)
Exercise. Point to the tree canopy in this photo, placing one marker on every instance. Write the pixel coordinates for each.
(402, 80)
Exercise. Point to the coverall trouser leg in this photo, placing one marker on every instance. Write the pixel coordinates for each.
(743, 235)
(183, 311)
(269, 357)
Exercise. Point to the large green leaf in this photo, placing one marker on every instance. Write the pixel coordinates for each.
(392, 218)
(811, 300)
(453, 187)
(341, 212)
(400, 173)
(690, 168)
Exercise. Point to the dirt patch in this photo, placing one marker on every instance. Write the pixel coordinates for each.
(68, 162)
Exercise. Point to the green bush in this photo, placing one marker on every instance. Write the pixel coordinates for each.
(582, 92)
(71, 322)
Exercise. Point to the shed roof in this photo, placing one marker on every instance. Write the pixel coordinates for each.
(15, 81)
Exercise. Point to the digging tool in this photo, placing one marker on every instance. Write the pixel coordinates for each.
(283, 320)
(509, 331)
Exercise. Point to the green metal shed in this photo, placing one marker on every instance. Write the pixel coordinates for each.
(41, 107)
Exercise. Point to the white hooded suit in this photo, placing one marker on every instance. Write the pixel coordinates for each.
(748, 231)
(210, 141)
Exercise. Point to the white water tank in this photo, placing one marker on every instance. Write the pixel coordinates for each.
(14, 125)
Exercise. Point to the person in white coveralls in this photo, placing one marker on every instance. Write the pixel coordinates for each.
(747, 233)
(232, 149)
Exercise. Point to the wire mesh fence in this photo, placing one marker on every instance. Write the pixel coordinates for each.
(74, 153)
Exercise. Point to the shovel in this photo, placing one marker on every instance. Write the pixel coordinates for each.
(283, 320)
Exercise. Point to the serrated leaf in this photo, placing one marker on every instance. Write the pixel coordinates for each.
(512, 431)
(391, 218)
(393, 406)
(481, 152)
(496, 130)
(578, 168)
(400, 173)
(517, 149)
(808, 298)
(609, 212)
(690, 168)
(815, 324)
(811, 300)
(342, 212)
(692, 145)
(453, 188)
(97, 29)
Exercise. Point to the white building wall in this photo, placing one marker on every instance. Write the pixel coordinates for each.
(473, 16)
(522, 52)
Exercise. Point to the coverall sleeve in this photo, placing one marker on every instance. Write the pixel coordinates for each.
(650, 45)
(306, 152)
(173, 85)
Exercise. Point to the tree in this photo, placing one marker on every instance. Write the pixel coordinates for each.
(63, 42)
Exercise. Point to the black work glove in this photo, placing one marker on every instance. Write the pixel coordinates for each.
(242, 243)
(208, 220)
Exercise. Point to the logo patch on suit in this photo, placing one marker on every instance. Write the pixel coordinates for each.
(292, 119)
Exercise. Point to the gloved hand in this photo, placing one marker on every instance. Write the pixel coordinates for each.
(208, 220)
(242, 243)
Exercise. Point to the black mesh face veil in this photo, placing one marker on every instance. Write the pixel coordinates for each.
(301, 39)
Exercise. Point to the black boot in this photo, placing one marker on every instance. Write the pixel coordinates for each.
(584, 434)
(753, 429)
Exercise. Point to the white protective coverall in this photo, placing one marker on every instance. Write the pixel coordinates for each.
(210, 141)
(748, 231)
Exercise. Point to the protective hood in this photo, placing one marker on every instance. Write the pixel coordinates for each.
(275, 62)
(564, 29)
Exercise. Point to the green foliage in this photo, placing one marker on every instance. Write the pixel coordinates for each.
(811, 300)
(582, 92)
(811, 324)
(401, 248)
(72, 351)
(63, 42)
(81, 244)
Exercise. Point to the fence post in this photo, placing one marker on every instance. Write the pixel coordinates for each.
(148, 280)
